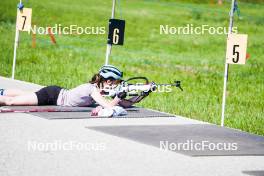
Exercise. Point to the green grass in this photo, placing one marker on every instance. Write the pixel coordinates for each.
(196, 60)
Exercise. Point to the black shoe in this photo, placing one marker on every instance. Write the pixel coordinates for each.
(2, 92)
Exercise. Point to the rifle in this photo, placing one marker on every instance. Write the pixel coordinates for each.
(136, 89)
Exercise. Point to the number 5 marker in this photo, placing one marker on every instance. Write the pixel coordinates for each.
(236, 51)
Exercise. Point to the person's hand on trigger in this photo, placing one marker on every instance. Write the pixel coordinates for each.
(153, 88)
(122, 95)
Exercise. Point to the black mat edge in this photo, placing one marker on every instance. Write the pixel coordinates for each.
(95, 128)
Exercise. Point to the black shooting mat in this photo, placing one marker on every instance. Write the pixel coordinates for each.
(169, 136)
(133, 112)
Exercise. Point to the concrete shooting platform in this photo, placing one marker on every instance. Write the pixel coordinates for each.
(38, 144)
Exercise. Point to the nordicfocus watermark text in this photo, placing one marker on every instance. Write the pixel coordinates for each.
(142, 87)
(59, 145)
(68, 30)
(190, 29)
(190, 145)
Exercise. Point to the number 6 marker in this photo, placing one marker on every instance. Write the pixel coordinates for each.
(116, 32)
(236, 51)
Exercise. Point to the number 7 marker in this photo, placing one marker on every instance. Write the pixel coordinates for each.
(23, 23)
(236, 52)
(24, 19)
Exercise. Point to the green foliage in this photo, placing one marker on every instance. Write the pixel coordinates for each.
(212, 1)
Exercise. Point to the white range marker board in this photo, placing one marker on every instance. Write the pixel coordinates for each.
(236, 51)
(23, 23)
(24, 19)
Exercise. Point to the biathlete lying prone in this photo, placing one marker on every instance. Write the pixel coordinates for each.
(81, 96)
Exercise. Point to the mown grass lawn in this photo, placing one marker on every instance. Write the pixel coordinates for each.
(196, 60)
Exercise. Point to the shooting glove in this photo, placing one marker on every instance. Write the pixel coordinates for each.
(121, 95)
(144, 94)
